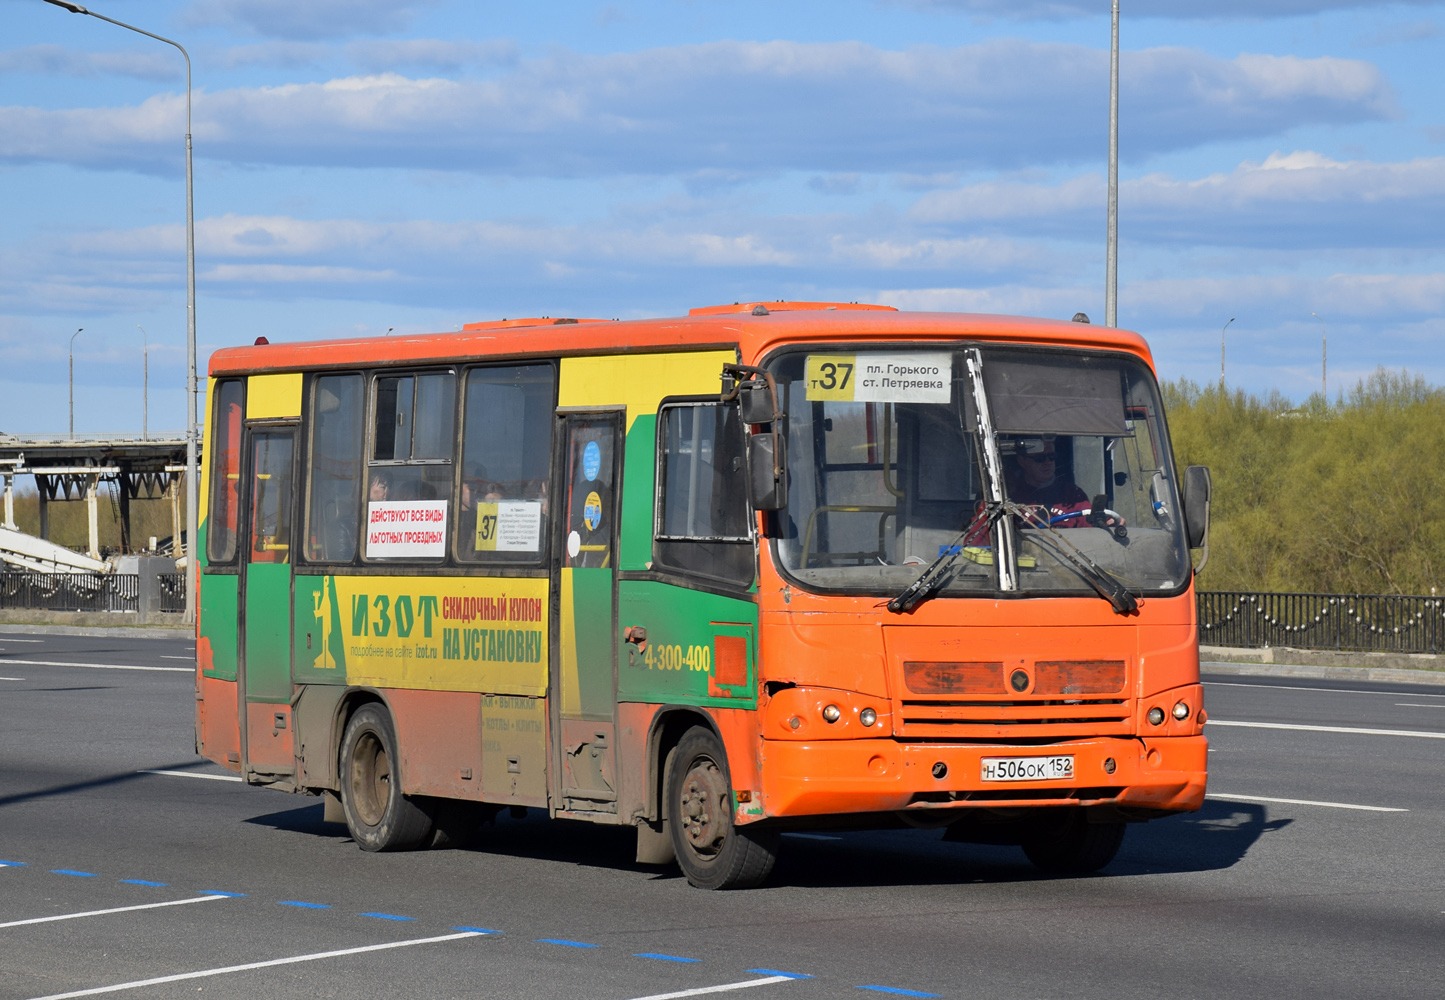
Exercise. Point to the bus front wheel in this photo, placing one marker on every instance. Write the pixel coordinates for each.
(710, 850)
(379, 817)
(1076, 846)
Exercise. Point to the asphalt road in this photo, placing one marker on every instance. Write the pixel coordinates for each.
(1251, 896)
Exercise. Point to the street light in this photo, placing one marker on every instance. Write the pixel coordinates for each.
(145, 390)
(1324, 355)
(192, 474)
(77, 333)
(1111, 260)
(1221, 354)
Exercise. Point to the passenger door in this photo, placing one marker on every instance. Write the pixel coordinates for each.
(584, 687)
(264, 669)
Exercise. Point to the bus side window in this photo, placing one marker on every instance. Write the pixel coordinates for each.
(334, 473)
(225, 474)
(503, 502)
(413, 436)
(702, 511)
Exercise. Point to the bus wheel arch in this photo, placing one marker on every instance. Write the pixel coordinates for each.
(669, 724)
(378, 815)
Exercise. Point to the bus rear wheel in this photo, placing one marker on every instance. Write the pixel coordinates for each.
(710, 850)
(1076, 846)
(379, 817)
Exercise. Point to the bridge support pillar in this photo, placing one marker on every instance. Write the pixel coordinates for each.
(92, 517)
(10, 503)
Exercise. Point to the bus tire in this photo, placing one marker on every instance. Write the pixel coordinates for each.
(710, 850)
(379, 817)
(1076, 847)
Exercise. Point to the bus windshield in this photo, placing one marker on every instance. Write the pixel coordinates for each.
(889, 470)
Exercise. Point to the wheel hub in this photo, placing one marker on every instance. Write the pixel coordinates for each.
(371, 780)
(704, 807)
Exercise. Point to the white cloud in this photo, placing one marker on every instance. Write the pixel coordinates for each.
(270, 274)
(1049, 10)
(430, 53)
(836, 107)
(284, 55)
(57, 60)
(1300, 199)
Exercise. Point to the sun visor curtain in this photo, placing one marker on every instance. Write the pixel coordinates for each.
(1052, 396)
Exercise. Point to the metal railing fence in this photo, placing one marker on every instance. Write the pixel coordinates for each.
(70, 591)
(173, 592)
(1387, 623)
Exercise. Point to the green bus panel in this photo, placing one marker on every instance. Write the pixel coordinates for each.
(218, 623)
(639, 475)
(682, 628)
(592, 611)
(268, 632)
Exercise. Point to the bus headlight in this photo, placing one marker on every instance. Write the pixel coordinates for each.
(1181, 711)
(832, 713)
(1156, 716)
(867, 716)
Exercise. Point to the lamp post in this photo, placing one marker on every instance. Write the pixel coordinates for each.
(1221, 354)
(1111, 260)
(1324, 356)
(77, 333)
(145, 384)
(192, 474)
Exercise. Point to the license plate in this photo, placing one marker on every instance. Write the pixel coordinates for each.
(1027, 768)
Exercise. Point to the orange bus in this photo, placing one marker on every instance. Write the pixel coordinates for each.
(768, 566)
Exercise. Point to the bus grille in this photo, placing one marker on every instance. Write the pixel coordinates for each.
(983, 700)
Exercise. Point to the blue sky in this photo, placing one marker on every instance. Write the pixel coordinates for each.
(371, 164)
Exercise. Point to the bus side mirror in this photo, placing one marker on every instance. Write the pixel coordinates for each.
(756, 402)
(756, 393)
(1196, 510)
(767, 471)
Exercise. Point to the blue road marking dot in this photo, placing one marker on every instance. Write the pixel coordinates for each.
(476, 930)
(69, 871)
(218, 892)
(665, 958)
(140, 881)
(385, 916)
(565, 943)
(899, 992)
(775, 972)
(304, 906)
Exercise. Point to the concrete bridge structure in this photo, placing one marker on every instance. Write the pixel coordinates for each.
(73, 468)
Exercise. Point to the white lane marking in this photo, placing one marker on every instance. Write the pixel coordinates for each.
(1328, 729)
(118, 909)
(316, 956)
(192, 774)
(164, 657)
(1293, 687)
(1228, 797)
(94, 666)
(12, 678)
(702, 990)
(811, 836)
(22, 640)
(1411, 704)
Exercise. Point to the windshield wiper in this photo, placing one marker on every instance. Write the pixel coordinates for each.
(1108, 586)
(936, 575)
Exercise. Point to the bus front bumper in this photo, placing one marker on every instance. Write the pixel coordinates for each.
(1165, 774)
